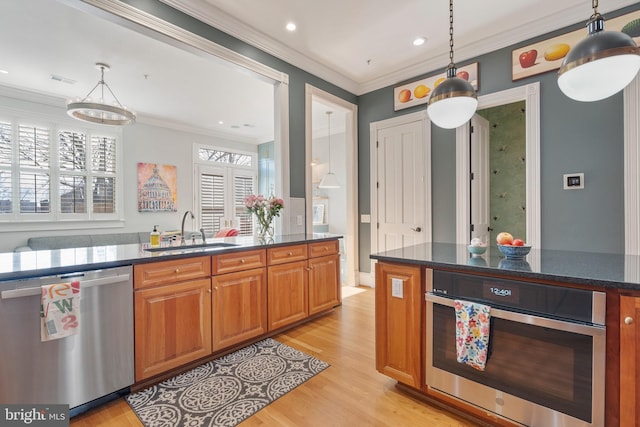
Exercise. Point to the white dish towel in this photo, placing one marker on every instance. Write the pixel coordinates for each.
(60, 310)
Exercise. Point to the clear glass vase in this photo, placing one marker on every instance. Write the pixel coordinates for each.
(265, 230)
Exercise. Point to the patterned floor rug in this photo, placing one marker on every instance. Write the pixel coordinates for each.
(227, 390)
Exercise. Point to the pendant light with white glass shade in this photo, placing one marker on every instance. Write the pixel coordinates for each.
(600, 65)
(454, 101)
(329, 180)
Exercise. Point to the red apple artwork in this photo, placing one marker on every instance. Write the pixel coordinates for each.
(528, 58)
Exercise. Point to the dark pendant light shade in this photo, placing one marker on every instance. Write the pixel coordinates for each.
(599, 66)
(454, 101)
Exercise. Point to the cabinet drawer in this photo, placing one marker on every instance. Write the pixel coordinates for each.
(323, 248)
(168, 272)
(238, 261)
(286, 254)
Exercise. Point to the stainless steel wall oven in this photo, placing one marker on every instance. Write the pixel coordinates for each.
(546, 359)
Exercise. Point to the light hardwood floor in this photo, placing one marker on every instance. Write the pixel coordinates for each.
(349, 393)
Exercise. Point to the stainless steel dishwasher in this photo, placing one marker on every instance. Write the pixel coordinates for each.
(73, 370)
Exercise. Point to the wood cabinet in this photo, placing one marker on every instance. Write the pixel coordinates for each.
(629, 360)
(287, 298)
(399, 298)
(188, 308)
(324, 276)
(172, 326)
(239, 298)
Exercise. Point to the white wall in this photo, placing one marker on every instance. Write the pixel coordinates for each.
(141, 143)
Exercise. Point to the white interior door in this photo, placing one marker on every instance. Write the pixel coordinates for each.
(402, 164)
(480, 176)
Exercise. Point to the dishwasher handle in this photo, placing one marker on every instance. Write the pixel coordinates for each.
(37, 290)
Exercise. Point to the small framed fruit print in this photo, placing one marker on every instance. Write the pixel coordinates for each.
(418, 92)
(548, 55)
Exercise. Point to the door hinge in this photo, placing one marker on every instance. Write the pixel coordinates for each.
(377, 225)
(472, 129)
(377, 184)
(472, 176)
(473, 227)
(377, 144)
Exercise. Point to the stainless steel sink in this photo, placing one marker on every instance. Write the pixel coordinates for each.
(204, 246)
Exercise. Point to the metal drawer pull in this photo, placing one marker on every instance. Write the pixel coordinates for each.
(241, 260)
(177, 270)
(289, 253)
(628, 320)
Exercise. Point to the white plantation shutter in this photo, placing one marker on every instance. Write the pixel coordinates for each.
(6, 146)
(242, 187)
(35, 156)
(103, 170)
(72, 162)
(212, 201)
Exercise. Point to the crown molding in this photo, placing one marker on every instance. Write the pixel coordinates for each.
(574, 12)
(215, 17)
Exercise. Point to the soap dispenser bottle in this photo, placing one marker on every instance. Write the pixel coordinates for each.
(155, 237)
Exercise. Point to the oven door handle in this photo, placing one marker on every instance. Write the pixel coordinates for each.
(515, 316)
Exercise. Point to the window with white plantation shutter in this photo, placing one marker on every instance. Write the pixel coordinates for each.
(34, 153)
(6, 156)
(226, 178)
(212, 195)
(72, 162)
(50, 172)
(103, 169)
(243, 187)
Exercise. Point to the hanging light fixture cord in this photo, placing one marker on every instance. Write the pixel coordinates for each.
(329, 137)
(451, 63)
(102, 85)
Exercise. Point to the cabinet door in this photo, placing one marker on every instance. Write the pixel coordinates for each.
(172, 326)
(324, 283)
(398, 322)
(239, 307)
(629, 361)
(287, 294)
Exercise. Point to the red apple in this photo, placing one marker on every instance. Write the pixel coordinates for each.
(528, 58)
(504, 238)
(518, 242)
(464, 75)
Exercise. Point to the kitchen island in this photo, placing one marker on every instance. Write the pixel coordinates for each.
(571, 346)
(184, 305)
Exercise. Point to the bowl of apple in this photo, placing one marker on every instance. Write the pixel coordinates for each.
(512, 248)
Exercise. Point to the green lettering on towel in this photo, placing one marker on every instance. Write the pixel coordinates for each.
(64, 305)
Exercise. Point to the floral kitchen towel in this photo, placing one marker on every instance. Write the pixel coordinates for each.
(472, 333)
(59, 310)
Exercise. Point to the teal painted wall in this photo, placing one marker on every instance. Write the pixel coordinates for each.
(266, 169)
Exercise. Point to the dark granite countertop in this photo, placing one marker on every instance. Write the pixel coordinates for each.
(19, 265)
(583, 268)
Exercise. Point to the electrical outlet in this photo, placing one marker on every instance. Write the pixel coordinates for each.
(300, 222)
(397, 288)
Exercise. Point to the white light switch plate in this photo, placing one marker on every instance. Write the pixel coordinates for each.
(397, 288)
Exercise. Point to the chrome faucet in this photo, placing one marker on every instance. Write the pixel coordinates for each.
(182, 242)
(204, 239)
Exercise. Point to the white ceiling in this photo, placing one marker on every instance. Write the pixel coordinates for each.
(356, 44)
(363, 45)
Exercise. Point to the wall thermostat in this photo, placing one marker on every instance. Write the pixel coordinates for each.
(573, 181)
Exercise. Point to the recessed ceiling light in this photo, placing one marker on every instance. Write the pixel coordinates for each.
(419, 41)
(291, 26)
(220, 122)
(4, 72)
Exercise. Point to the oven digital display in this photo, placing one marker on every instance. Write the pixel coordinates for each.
(496, 291)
